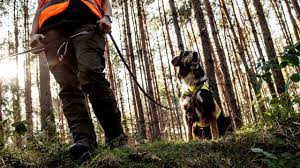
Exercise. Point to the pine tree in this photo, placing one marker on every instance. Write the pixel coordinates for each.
(270, 49)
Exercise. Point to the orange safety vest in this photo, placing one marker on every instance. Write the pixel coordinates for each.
(49, 8)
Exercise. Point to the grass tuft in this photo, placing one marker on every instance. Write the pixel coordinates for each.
(270, 144)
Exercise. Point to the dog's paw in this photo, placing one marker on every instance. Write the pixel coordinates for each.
(215, 138)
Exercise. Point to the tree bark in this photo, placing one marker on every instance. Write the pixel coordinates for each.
(258, 46)
(153, 108)
(224, 66)
(16, 89)
(240, 51)
(207, 49)
(2, 142)
(27, 63)
(281, 22)
(47, 112)
(295, 26)
(176, 25)
(278, 76)
(171, 49)
(297, 8)
(140, 117)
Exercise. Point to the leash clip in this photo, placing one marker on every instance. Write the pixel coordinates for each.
(62, 50)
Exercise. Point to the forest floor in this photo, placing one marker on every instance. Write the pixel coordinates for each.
(271, 144)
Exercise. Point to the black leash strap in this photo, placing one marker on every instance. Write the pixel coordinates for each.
(132, 75)
(35, 49)
(61, 52)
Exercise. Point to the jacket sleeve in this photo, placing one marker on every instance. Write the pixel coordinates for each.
(34, 29)
(105, 7)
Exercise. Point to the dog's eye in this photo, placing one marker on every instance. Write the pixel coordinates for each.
(189, 110)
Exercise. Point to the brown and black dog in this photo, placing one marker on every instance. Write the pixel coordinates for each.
(203, 117)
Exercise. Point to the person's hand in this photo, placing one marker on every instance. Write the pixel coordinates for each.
(105, 24)
(35, 41)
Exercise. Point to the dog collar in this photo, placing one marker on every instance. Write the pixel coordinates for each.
(194, 88)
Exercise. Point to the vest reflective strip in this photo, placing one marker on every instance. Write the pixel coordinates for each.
(52, 10)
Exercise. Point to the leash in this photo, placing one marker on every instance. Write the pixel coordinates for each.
(61, 52)
(132, 75)
(35, 49)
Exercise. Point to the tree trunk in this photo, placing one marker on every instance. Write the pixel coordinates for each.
(278, 76)
(258, 46)
(27, 94)
(207, 49)
(2, 142)
(195, 39)
(153, 108)
(47, 112)
(61, 124)
(295, 26)
(16, 90)
(167, 93)
(297, 8)
(140, 117)
(155, 116)
(173, 86)
(224, 66)
(176, 25)
(240, 51)
(281, 22)
(109, 65)
(171, 50)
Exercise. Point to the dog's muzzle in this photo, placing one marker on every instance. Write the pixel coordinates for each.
(194, 65)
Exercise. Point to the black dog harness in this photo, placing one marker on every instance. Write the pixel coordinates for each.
(192, 92)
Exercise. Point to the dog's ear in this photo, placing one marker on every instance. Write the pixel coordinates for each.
(176, 61)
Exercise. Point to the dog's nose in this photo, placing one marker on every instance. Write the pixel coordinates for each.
(195, 57)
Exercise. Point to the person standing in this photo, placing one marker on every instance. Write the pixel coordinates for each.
(73, 33)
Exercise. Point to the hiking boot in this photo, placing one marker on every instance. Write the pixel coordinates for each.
(81, 151)
(119, 142)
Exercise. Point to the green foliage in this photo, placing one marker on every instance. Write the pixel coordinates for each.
(20, 127)
(295, 77)
(289, 58)
(281, 108)
(273, 161)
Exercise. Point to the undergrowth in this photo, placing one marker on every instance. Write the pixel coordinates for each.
(268, 144)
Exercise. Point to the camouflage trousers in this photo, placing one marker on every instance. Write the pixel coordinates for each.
(81, 71)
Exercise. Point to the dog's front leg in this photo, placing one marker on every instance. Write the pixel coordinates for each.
(214, 128)
(194, 132)
(190, 132)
